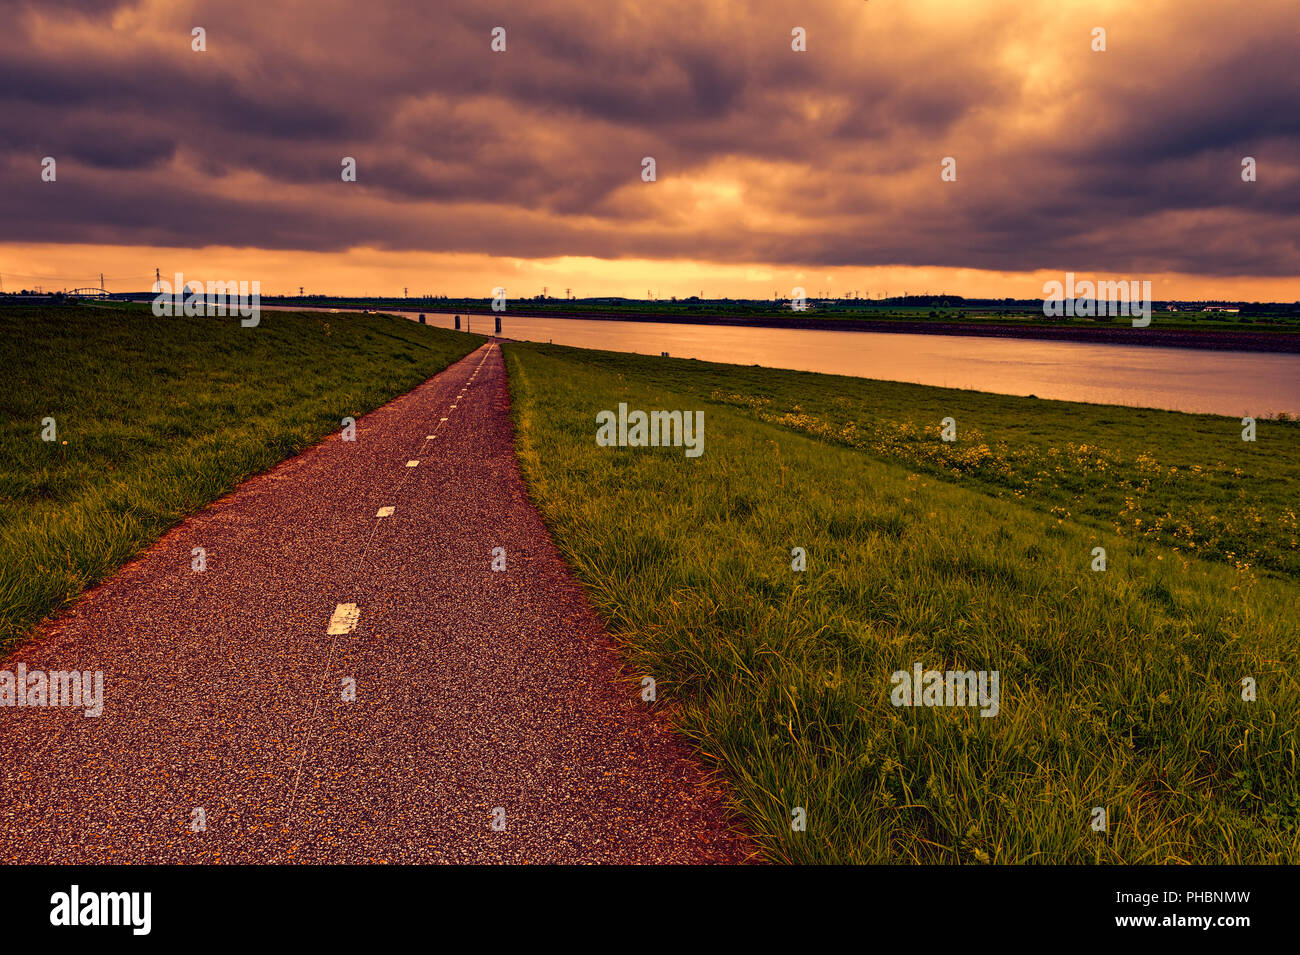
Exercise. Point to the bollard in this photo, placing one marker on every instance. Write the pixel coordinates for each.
(663, 354)
(498, 324)
(457, 323)
(422, 318)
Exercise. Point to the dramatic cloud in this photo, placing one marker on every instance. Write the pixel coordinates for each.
(1126, 161)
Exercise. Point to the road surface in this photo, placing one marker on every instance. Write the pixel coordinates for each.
(491, 719)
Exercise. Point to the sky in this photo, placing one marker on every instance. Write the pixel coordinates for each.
(774, 168)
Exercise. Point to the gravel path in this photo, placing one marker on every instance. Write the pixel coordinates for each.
(482, 697)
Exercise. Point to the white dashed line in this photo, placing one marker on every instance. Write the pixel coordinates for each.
(385, 512)
(345, 619)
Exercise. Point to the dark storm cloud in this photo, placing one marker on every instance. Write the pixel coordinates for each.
(1127, 160)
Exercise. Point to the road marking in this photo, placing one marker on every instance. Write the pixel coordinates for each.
(442, 419)
(385, 512)
(411, 464)
(345, 619)
(429, 437)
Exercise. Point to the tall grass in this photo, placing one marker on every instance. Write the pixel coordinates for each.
(1185, 480)
(1119, 689)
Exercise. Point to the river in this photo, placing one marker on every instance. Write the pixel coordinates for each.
(1177, 379)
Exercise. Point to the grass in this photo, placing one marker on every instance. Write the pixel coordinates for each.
(156, 417)
(1187, 481)
(1119, 689)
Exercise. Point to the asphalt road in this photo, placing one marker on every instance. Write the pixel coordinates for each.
(491, 721)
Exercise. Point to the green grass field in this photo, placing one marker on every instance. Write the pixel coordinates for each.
(1188, 481)
(156, 417)
(1119, 689)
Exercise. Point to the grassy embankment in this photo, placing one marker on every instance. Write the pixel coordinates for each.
(156, 417)
(1119, 689)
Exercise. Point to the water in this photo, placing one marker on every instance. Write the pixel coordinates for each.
(1178, 379)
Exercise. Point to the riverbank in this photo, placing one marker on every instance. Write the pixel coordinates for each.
(1279, 339)
(1215, 340)
(827, 539)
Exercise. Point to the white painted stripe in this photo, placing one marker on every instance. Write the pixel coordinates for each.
(442, 419)
(385, 512)
(429, 437)
(345, 619)
(411, 464)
